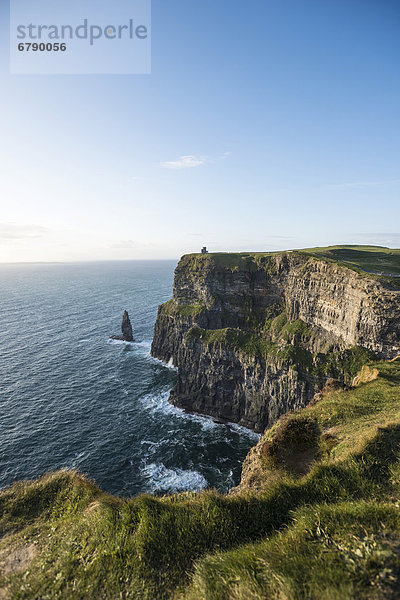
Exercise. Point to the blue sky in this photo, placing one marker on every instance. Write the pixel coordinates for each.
(263, 125)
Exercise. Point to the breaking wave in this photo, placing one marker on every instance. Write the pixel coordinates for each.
(162, 479)
(159, 403)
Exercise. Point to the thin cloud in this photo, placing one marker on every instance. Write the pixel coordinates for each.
(12, 232)
(361, 184)
(185, 162)
(191, 161)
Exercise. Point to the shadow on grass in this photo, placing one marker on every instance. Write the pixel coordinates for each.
(171, 536)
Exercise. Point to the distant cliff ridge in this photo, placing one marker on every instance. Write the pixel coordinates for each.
(256, 335)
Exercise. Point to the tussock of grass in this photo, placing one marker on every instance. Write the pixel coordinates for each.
(366, 375)
(332, 532)
(294, 443)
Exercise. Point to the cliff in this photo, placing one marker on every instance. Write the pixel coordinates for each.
(256, 335)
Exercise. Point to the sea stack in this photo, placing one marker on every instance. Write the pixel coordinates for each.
(127, 333)
(126, 327)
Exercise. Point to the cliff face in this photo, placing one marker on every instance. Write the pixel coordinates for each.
(229, 384)
(254, 336)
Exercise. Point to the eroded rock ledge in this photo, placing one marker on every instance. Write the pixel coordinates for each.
(256, 335)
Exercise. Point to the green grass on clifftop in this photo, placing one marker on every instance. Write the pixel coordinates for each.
(327, 531)
(376, 259)
(380, 262)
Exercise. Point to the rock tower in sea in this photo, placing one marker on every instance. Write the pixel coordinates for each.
(126, 327)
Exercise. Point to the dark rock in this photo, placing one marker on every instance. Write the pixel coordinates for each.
(126, 327)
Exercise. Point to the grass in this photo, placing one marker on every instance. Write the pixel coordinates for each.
(294, 436)
(184, 310)
(349, 550)
(190, 310)
(370, 258)
(330, 532)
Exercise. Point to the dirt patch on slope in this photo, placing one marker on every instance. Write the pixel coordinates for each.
(13, 560)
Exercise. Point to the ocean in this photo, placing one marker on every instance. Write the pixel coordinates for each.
(72, 398)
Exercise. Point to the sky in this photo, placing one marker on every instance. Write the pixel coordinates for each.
(264, 125)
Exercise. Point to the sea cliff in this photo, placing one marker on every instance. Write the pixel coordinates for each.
(256, 335)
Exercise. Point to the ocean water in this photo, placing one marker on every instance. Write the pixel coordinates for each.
(72, 398)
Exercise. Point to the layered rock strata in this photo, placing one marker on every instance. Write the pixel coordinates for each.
(254, 336)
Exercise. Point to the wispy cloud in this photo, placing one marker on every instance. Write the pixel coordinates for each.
(363, 184)
(185, 162)
(191, 161)
(13, 232)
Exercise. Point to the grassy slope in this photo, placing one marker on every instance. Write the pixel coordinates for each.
(332, 533)
(370, 258)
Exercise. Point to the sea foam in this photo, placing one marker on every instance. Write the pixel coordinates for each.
(113, 342)
(173, 480)
(159, 403)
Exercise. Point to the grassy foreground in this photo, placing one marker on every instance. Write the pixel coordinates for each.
(317, 516)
